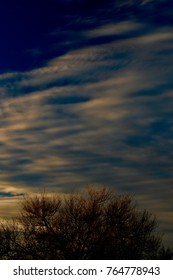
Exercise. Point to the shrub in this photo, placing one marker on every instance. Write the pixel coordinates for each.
(93, 224)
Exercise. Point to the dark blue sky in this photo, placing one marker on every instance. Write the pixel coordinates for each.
(86, 97)
(30, 29)
(27, 29)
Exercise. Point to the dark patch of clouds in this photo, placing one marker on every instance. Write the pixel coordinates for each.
(156, 91)
(9, 194)
(34, 180)
(63, 100)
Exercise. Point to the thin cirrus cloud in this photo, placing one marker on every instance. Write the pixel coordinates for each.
(93, 116)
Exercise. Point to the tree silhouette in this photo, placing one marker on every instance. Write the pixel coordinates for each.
(94, 224)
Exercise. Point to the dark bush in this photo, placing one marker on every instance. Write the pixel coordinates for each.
(94, 224)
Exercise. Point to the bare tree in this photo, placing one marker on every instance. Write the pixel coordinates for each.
(93, 224)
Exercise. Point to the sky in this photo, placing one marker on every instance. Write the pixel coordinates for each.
(86, 97)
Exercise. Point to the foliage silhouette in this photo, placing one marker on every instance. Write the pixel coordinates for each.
(94, 224)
